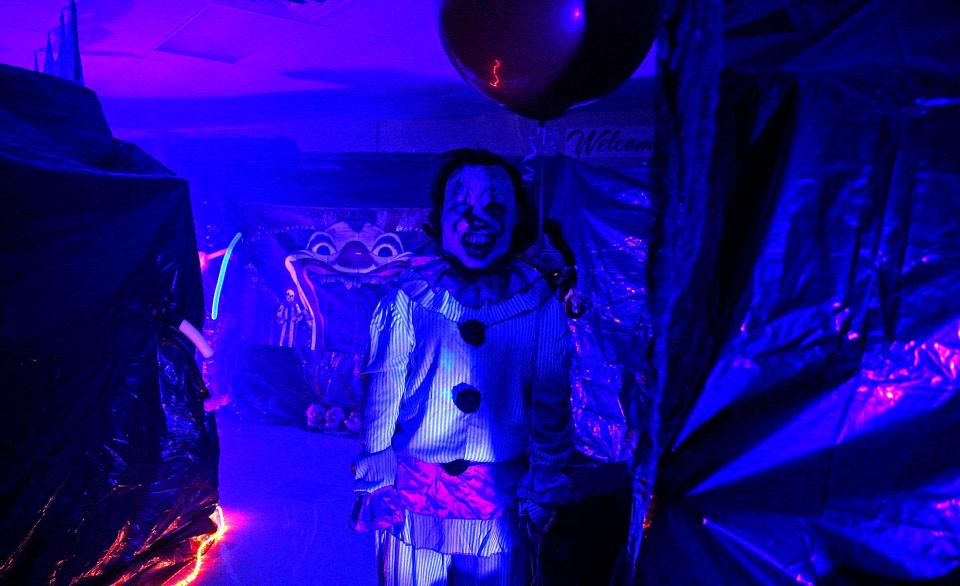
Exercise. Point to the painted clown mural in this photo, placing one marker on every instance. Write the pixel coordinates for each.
(313, 277)
(343, 255)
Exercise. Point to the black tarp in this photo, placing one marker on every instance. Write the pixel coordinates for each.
(806, 297)
(109, 461)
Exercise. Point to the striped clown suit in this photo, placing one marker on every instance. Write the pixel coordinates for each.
(466, 411)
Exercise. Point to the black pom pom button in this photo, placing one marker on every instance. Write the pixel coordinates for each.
(473, 332)
(467, 398)
(455, 468)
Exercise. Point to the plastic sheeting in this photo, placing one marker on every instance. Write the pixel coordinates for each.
(806, 298)
(109, 461)
(607, 218)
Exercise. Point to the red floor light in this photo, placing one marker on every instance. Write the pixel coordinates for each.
(204, 544)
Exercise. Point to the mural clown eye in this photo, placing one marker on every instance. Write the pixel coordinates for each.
(322, 243)
(387, 247)
(385, 250)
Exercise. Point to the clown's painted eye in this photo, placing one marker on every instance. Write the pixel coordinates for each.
(496, 209)
(461, 208)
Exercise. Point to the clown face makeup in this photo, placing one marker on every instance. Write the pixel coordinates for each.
(479, 215)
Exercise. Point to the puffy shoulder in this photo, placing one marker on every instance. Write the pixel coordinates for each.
(395, 303)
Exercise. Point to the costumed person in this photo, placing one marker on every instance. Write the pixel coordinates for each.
(466, 405)
(289, 316)
(589, 533)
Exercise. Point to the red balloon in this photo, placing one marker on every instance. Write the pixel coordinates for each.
(539, 58)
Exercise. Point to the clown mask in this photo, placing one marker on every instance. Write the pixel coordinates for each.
(479, 215)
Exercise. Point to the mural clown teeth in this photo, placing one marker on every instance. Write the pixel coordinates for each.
(340, 254)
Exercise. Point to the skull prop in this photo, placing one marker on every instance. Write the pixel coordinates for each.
(316, 415)
(333, 419)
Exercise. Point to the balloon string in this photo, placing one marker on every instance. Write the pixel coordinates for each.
(542, 136)
(533, 174)
(529, 173)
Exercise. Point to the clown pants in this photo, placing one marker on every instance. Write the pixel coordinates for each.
(402, 565)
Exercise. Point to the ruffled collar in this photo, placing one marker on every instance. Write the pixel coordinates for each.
(442, 274)
(438, 282)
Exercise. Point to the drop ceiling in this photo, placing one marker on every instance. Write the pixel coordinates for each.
(262, 59)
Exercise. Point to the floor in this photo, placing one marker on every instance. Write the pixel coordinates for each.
(286, 494)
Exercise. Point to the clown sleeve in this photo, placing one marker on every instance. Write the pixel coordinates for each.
(391, 342)
(551, 437)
